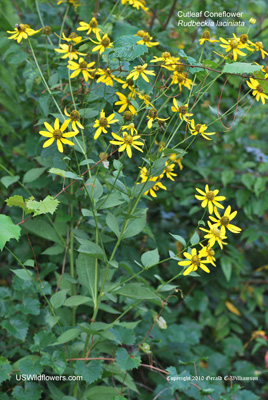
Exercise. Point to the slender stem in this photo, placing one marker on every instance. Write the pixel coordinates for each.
(41, 19)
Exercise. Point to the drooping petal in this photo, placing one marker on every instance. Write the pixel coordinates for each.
(48, 142)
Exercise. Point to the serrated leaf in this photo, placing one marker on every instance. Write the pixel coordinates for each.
(150, 258)
(8, 230)
(48, 205)
(31, 391)
(16, 326)
(89, 371)
(241, 68)
(5, 369)
(126, 361)
(176, 383)
(126, 48)
(30, 366)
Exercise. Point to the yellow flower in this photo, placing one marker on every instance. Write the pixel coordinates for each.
(74, 117)
(144, 174)
(69, 51)
(214, 235)
(103, 43)
(140, 70)
(194, 261)
(83, 67)
(146, 98)
(106, 76)
(130, 127)
(224, 221)
(158, 185)
(209, 198)
(182, 80)
(257, 90)
(22, 31)
(146, 39)
(153, 116)
(265, 70)
(57, 134)
(252, 21)
(182, 110)
(206, 38)
(208, 253)
(173, 157)
(259, 47)
(126, 142)
(169, 171)
(199, 128)
(165, 57)
(124, 102)
(74, 3)
(73, 37)
(103, 123)
(92, 26)
(136, 4)
(233, 45)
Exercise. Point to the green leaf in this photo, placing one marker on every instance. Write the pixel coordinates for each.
(241, 68)
(15, 201)
(94, 188)
(126, 48)
(48, 205)
(8, 230)
(92, 249)
(86, 272)
(101, 393)
(248, 180)
(9, 180)
(33, 174)
(31, 391)
(42, 340)
(109, 201)
(65, 174)
(16, 326)
(126, 361)
(227, 176)
(113, 224)
(23, 274)
(260, 185)
(90, 372)
(176, 383)
(58, 298)
(150, 258)
(135, 226)
(135, 291)
(56, 361)
(88, 113)
(67, 336)
(5, 369)
(179, 239)
(75, 301)
(226, 267)
(30, 365)
(195, 239)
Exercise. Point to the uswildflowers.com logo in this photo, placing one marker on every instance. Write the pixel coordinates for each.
(43, 377)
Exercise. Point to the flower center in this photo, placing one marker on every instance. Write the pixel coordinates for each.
(57, 134)
(266, 69)
(243, 38)
(216, 232)
(83, 64)
(128, 139)
(130, 82)
(103, 122)
(197, 128)
(105, 42)
(225, 221)
(166, 55)
(168, 168)
(72, 49)
(46, 30)
(73, 35)
(75, 116)
(179, 68)
(205, 35)
(93, 23)
(139, 68)
(181, 77)
(234, 43)
(127, 116)
(146, 38)
(195, 260)
(211, 252)
(153, 113)
(259, 88)
(183, 110)
(22, 27)
(141, 33)
(259, 44)
(210, 195)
